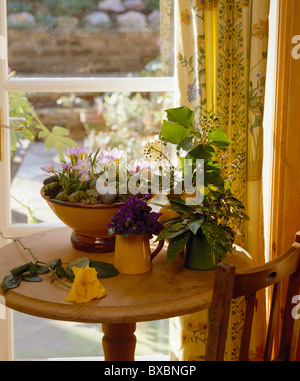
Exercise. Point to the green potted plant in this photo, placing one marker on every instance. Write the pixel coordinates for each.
(204, 230)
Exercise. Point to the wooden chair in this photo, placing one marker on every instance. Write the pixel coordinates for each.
(230, 284)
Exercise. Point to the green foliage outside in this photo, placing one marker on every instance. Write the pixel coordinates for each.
(20, 106)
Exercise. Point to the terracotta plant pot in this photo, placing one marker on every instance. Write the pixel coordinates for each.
(89, 223)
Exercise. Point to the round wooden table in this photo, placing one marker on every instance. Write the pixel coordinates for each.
(166, 291)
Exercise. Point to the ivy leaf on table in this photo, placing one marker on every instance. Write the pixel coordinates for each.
(29, 272)
(18, 271)
(17, 275)
(104, 270)
(10, 281)
(80, 262)
(32, 278)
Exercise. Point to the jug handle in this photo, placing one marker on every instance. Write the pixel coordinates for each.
(158, 249)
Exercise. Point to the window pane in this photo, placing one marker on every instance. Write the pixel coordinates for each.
(123, 120)
(90, 38)
(37, 338)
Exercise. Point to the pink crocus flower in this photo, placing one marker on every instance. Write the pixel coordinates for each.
(138, 166)
(84, 177)
(109, 156)
(48, 167)
(83, 152)
(66, 166)
(72, 151)
(82, 166)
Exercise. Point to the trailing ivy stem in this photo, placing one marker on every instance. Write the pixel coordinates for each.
(16, 239)
(57, 278)
(36, 261)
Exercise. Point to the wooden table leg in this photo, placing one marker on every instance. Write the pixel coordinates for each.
(119, 341)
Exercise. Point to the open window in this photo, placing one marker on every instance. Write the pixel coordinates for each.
(101, 71)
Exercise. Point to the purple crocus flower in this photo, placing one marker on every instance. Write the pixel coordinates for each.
(136, 217)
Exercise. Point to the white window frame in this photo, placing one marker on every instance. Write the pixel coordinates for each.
(55, 85)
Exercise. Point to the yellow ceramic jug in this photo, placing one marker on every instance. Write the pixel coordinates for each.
(133, 255)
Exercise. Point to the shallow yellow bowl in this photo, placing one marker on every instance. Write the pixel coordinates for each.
(88, 222)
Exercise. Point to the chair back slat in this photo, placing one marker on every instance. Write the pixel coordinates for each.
(220, 309)
(246, 335)
(230, 284)
(295, 341)
(274, 314)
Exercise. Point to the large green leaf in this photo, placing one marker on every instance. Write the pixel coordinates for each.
(202, 152)
(195, 225)
(217, 237)
(219, 138)
(171, 231)
(57, 138)
(20, 106)
(177, 245)
(178, 205)
(184, 146)
(182, 115)
(213, 165)
(173, 132)
(212, 177)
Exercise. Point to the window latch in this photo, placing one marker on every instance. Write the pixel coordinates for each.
(19, 128)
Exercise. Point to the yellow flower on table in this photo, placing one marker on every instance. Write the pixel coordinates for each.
(86, 286)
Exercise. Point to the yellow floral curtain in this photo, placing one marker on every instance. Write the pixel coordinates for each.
(285, 182)
(221, 52)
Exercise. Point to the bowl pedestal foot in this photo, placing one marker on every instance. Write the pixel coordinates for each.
(93, 244)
